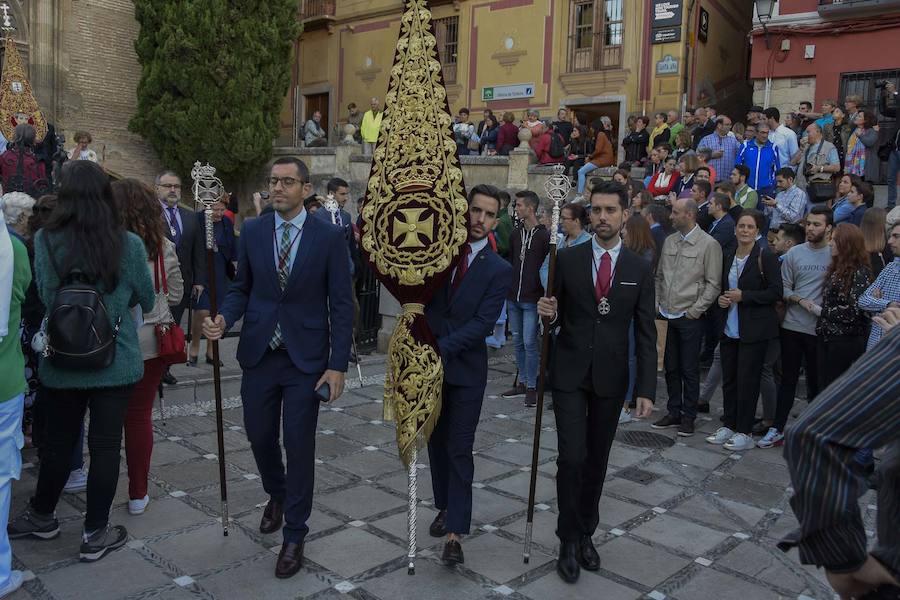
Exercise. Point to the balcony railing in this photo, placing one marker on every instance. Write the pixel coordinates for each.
(317, 9)
(595, 57)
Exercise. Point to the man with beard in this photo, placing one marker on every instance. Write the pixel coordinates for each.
(600, 288)
(293, 291)
(804, 270)
(183, 229)
(461, 315)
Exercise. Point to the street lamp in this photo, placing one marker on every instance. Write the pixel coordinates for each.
(764, 9)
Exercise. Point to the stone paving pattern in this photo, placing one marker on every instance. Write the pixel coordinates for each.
(689, 521)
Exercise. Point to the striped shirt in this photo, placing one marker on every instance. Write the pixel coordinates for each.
(859, 410)
(888, 282)
(790, 207)
(729, 147)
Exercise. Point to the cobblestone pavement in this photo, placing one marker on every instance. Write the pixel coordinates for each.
(682, 520)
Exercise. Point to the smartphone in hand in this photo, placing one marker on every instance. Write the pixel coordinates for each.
(323, 392)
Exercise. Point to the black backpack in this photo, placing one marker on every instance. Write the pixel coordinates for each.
(557, 145)
(79, 334)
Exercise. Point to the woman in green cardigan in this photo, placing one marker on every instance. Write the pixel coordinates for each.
(85, 232)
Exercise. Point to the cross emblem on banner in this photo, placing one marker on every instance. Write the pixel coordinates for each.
(412, 227)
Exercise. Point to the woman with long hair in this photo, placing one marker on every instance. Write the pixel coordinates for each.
(840, 204)
(140, 214)
(84, 240)
(508, 135)
(636, 237)
(751, 285)
(489, 133)
(683, 143)
(873, 227)
(862, 148)
(843, 327)
(687, 167)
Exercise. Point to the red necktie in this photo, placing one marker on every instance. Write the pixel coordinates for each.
(461, 268)
(604, 272)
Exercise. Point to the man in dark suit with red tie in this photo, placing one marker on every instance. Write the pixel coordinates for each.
(599, 289)
(461, 315)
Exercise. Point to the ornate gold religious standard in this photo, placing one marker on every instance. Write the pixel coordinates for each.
(414, 225)
(17, 103)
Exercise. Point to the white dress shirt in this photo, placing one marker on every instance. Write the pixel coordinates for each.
(598, 256)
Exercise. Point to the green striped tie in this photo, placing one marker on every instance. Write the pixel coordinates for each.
(284, 271)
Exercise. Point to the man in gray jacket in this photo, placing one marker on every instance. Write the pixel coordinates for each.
(688, 281)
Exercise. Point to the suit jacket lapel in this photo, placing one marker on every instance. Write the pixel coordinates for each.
(622, 266)
(305, 247)
(751, 260)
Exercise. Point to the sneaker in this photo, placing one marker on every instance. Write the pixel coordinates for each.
(740, 442)
(722, 435)
(625, 416)
(168, 378)
(77, 481)
(517, 391)
(686, 428)
(137, 507)
(98, 544)
(530, 398)
(31, 523)
(772, 438)
(666, 422)
(15, 582)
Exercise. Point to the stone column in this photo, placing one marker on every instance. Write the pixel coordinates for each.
(342, 154)
(389, 308)
(45, 55)
(519, 160)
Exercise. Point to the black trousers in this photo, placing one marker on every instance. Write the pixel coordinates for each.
(742, 365)
(450, 454)
(682, 365)
(586, 425)
(837, 355)
(65, 414)
(796, 347)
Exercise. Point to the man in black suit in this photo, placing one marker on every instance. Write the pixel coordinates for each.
(657, 217)
(722, 226)
(183, 229)
(461, 314)
(600, 288)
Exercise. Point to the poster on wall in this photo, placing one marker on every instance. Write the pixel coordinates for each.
(666, 13)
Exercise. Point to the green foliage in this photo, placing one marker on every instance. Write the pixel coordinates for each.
(214, 77)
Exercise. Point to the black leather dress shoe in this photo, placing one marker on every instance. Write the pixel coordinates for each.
(587, 554)
(439, 525)
(567, 563)
(272, 516)
(290, 559)
(168, 378)
(453, 553)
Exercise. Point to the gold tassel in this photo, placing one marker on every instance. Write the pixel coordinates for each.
(412, 388)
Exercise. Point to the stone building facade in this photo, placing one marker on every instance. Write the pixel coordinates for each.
(84, 72)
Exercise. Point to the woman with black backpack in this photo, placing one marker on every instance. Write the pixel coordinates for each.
(90, 272)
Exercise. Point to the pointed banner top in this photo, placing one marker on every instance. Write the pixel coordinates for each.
(416, 208)
(17, 103)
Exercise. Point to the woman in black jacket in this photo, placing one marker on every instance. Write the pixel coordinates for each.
(751, 285)
(635, 143)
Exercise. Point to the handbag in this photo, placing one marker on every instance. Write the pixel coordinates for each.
(818, 191)
(169, 336)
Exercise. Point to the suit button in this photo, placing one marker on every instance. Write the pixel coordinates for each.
(590, 346)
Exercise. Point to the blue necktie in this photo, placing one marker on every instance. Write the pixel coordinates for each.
(174, 227)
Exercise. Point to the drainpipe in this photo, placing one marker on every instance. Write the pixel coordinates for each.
(687, 56)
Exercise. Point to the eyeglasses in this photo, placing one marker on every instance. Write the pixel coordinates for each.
(170, 186)
(286, 182)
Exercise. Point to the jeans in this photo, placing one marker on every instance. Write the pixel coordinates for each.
(11, 442)
(523, 324)
(796, 346)
(139, 428)
(582, 175)
(682, 364)
(893, 171)
(66, 410)
(498, 338)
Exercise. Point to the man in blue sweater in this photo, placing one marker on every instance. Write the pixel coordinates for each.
(761, 158)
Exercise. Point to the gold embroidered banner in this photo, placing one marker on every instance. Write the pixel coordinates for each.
(17, 103)
(414, 222)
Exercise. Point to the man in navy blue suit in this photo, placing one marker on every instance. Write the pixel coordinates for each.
(293, 291)
(461, 314)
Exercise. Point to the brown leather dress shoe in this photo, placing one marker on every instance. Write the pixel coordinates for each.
(290, 559)
(272, 516)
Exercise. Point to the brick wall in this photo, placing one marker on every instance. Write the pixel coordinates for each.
(98, 91)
